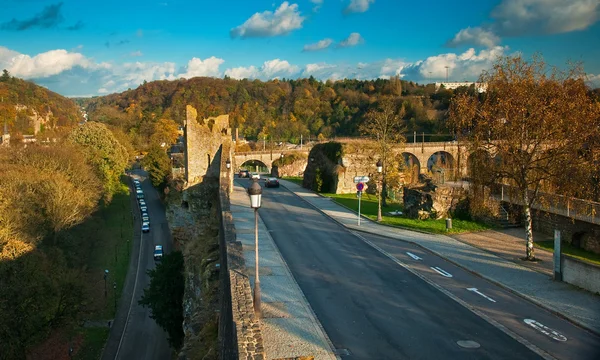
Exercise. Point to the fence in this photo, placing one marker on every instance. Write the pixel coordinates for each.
(579, 209)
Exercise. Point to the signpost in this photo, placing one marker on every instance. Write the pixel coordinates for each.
(361, 179)
(360, 187)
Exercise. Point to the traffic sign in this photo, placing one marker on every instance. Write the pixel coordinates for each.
(361, 179)
(360, 186)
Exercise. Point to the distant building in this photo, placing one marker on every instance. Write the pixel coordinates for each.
(5, 140)
(481, 87)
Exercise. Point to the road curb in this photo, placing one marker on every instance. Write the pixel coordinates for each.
(515, 292)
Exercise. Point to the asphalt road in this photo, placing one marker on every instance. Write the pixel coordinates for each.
(134, 334)
(375, 308)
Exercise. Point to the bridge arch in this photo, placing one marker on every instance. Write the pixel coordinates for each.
(412, 167)
(255, 165)
(441, 164)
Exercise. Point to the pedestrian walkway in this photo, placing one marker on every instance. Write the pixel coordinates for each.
(497, 265)
(289, 327)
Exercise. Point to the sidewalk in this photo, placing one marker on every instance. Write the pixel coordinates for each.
(498, 263)
(289, 327)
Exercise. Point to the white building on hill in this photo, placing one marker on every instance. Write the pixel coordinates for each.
(481, 87)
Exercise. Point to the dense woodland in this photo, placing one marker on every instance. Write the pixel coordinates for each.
(279, 110)
(14, 91)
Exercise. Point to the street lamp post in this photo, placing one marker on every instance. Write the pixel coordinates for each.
(379, 170)
(255, 191)
(105, 276)
(228, 164)
(115, 295)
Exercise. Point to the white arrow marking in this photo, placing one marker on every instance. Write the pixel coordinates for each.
(480, 293)
(545, 330)
(413, 256)
(441, 272)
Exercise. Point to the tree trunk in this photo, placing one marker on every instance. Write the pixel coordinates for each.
(530, 253)
(384, 194)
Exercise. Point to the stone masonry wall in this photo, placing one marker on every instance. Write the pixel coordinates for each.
(240, 335)
(203, 138)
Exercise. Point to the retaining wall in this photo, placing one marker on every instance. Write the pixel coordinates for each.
(581, 273)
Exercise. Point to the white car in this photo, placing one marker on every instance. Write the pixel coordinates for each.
(142, 202)
(143, 208)
(146, 227)
(255, 176)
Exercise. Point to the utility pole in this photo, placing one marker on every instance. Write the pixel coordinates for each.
(300, 141)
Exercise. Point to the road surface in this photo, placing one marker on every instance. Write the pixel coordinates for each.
(134, 334)
(377, 301)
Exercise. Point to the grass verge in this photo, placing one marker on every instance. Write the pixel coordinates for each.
(110, 231)
(571, 251)
(295, 179)
(369, 207)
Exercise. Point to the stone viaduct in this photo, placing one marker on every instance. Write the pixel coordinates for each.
(450, 156)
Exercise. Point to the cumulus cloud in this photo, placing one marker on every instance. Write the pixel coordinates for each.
(475, 36)
(318, 4)
(284, 20)
(48, 18)
(271, 69)
(466, 66)
(357, 6)
(513, 18)
(42, 65)
(593, 80)
(320, 45)
(352, 40)
(198, 67)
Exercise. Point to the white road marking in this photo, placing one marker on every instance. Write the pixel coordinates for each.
(464, 304)
(413, 256)
(441, 271)
(545, 330)
(480, 293)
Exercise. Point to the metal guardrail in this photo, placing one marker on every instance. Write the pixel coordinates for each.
(579, 209)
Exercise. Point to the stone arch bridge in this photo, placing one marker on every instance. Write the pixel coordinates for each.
(448, 157)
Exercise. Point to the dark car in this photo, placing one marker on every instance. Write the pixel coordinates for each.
(158, 252)
(272, 182)
(244, 174)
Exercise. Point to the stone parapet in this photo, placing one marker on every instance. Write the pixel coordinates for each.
(240, 335)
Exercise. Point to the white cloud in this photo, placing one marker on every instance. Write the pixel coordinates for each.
(284, 20)
(136, 53)
(476, 36)
(318, 4)
(593, 80)
(358, 6)
(42, 65)
(352, 40)
(271, 69)
(199, 67)
(513, 18)
(320, 45)
(241, 72)
(466, 66)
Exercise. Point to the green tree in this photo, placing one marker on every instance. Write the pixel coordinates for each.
(5, 76)
(165, 131)
(107, 155)
(158, 164)
(537, 122)
(164, 296)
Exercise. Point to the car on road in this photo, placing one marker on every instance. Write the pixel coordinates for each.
(244, 174)
(158, 252)
(272, 182)
(143, 208)
(146, 227)
(140, 195)
(136, 182)
(142, 202)
(256, 176)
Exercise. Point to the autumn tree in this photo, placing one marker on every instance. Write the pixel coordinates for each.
(384, 124)
(165, 131)
(536, 122)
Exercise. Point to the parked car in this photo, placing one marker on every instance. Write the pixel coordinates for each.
(142, 202)
(143, 208)
(146, 227)
(140, 195)
(256, 176)
(272, 182)
(158, 252)
(244, 174)
(146, 218)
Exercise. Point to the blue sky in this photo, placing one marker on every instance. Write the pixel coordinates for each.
(83, 48)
